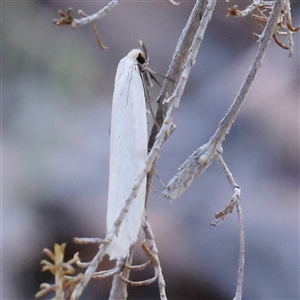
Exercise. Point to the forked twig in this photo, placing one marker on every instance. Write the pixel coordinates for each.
(152, 260)
(234, 202)
(236, 197)
(67, 19)
(203, 156)
(141, 267)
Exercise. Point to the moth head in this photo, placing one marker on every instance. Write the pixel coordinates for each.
(141, 59)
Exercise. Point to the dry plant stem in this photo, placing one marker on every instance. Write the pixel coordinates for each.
(98, 15)
(235, 202)
(88, 240)
(59, 292)
(90, 19)
(226, 171)
(144, 282)
(175, 70)
(119, 288)
(238, 293)
(177, 64)
(157, 267)
(174, 100)
(89, 272)
(265, 39)
(204, 155)
(138, 267)
(136, 283)
(236, 197)
(106, 274)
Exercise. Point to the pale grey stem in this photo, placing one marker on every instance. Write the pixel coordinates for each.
(101, 13)
(265, 39)
(235, 202)
(239, 287)
(176, 96)
(158, 270)
(226, 171)
(181, 52)
(119, 288)
(78, 240)
(204, 155)
(177, 64)
(108, 273)
(82, 284)
(138, 267)
(98, 15)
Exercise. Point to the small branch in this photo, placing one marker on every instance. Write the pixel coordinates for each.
(119, 288)
(106, 274)
(177, 64)
(153, 260)
(88, 240)
(234, 202)
(226, 171)
(67, 19)
(173, 2)
(239, 287)
(137, 283)
(190, 170)
(174, 100)
(154, 253)
(98, 38)
(138, 267)
(236, 197)
(89, 272)
(204, 155)
(175, 71)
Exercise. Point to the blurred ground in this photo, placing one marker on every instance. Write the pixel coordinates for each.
(56, 99)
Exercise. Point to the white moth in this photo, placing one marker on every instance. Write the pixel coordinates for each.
(128, 152)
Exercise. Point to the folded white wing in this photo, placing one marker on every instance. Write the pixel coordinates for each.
(128, 151)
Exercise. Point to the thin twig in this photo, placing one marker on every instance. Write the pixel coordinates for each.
(88, 240)
(177, 64)
(239, 287)
(137, 283)
(138, 267)
(87, 19)
(234, 202)
(154, 252)
(106, 274)
(175, 70)
(236, 197)
(119, 288)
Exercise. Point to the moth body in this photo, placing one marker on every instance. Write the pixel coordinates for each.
(128, 152)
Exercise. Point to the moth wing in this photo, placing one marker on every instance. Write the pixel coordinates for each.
(128, 152)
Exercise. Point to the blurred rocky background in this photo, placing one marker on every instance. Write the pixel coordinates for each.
(57, 88)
